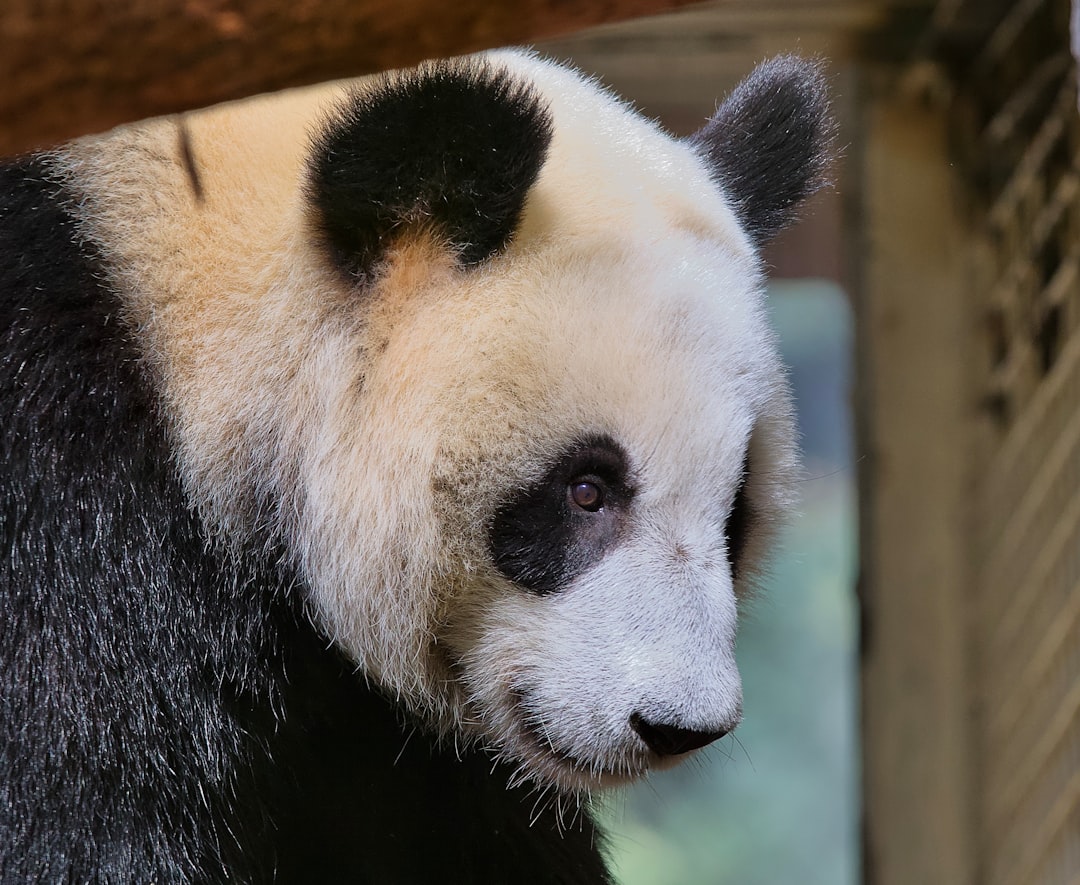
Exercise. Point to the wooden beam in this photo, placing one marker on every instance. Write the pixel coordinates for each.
(74, 68)
(916, 348)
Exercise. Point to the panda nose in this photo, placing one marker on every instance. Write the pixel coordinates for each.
(671, 740)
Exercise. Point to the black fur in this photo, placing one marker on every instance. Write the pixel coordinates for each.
(739, 522)
(166, 713)
(454, 146)
(539, 540)
(769, 143)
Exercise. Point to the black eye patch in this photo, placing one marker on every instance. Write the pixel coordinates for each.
(739, 521)
(561, 524)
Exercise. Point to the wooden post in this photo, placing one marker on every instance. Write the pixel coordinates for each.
(915, 408)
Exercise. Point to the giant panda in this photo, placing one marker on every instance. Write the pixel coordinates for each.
(383, 466)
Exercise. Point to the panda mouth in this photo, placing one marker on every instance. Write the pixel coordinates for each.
(533, 726)
(535, 734)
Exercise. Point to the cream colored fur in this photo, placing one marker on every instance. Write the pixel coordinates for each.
(378, 430)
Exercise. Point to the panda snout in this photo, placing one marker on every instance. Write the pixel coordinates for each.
(665, 739)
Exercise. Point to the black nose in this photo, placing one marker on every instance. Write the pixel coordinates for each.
(671, 740)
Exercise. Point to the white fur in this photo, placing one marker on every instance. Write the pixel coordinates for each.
(379, 431)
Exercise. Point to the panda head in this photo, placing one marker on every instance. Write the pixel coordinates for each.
(571, 438)
(487, 352)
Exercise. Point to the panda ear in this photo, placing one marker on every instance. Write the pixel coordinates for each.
(769, 144)
(453, 146)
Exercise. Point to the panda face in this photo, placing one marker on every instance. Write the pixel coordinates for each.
(484, 352)
(599, 483)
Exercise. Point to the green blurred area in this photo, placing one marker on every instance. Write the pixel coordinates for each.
(777, 803)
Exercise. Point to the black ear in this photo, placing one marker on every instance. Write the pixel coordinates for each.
(769, 144)
(453, 146)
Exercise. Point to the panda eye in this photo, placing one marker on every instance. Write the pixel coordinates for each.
(587, 495)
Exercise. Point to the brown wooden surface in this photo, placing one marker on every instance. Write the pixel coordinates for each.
(915, 404)
(75, 66)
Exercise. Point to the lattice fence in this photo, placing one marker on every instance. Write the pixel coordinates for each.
(1021, 141)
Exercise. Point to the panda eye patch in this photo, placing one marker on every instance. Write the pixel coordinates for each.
(562, 522)
(587, 495)
(739, 521)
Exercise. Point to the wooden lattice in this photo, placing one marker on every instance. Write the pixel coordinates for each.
(1020, 138)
